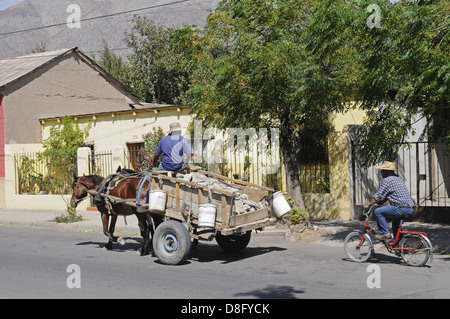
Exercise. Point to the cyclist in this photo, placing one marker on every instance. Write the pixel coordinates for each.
(393, 189)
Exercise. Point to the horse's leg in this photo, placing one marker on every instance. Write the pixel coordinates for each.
(155, 220)
(143, 224)
(105, 222)
(112, 227)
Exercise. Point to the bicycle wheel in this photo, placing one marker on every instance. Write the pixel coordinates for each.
(415, 250)
(355, 250)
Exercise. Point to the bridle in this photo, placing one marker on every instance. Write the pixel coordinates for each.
(85, 188)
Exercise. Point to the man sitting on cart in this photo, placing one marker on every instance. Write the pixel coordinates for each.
(393, 189)
(174, 147)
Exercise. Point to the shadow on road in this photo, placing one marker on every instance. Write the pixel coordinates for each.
(131, 244)
(210, 252)
(204, 252)
(272, 292)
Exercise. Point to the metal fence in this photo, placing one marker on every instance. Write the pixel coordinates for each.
(100, 163)
(313, 167)
(45, 172)
(426, 172)
(135, 158)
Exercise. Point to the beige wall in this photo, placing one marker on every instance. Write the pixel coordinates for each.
(12, 200)
(116, 129)
(113, 133)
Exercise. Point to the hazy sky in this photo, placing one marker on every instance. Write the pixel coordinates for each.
(8, 3)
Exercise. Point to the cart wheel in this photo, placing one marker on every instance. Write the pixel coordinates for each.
(233, 242)
(171, 242)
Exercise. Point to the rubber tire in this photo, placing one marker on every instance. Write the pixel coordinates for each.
(171, 243)
(410, 241)
(368, 247)
(233, 243)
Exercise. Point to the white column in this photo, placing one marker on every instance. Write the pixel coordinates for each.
(83, 160)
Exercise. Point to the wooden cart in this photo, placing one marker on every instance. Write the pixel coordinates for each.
(241, 208)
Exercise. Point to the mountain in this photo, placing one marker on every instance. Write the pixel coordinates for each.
(34, 14)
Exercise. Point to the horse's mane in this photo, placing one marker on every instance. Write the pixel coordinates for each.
(97, 179)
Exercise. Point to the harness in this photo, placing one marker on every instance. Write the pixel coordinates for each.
(139, 188)
(111, 182)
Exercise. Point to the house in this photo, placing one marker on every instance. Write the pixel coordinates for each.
(37, 90)
(50, 84)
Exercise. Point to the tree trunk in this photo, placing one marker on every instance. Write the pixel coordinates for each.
(292, 174)
(287, 146)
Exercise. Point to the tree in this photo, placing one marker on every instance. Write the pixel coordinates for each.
(251, 69)
(41, 46)
(60, 153)
(115, 65)
(398, 71)
(144, 160)
(68, 137)
(156, 74)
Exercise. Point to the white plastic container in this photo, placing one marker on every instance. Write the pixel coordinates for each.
(280, 206)
(207, 215)
(157, 201)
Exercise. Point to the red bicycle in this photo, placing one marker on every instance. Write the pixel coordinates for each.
(413, 247)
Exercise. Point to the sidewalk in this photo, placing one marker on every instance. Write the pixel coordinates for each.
(333, 231)
(45, 219)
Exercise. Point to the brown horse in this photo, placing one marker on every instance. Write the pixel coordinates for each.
(126, 188)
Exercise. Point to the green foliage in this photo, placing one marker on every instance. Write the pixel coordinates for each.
(398, 72)
(115, 65)
(27, 174)
(297, 215)
(248, 70)
(67, 137)
(289, 64)
(245, 74)
(70, 217)
(144, 161)
(153, 71)
(156, 72)
(41, 46)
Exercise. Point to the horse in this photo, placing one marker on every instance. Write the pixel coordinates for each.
(126, 188)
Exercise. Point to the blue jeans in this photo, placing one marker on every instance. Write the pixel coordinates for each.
(390, 212)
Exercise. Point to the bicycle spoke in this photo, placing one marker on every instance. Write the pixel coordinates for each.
(357, 248)
(415, 251)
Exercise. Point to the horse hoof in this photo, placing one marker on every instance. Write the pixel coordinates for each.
(121, 241)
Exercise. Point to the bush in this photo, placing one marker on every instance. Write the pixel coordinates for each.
(144, 160)
(297, 215)
(71, 216)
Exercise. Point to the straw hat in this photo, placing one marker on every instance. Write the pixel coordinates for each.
(387, 166)
(174, 127)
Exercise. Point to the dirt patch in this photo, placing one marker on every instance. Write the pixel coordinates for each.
(302, 232)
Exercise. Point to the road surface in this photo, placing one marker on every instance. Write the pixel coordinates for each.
(46, 263)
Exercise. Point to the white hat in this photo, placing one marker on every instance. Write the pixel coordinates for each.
(174, 127)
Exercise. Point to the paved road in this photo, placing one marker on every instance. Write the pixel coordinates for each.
(34, 264)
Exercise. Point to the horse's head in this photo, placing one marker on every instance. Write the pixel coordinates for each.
(80, 187)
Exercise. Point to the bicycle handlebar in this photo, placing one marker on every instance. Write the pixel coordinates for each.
(369, 210)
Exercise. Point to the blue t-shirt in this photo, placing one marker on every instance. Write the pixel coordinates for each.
(173, 147)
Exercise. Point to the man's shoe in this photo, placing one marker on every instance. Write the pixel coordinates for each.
(383, 236)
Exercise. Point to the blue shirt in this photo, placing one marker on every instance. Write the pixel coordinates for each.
(173, 147)
(394, 189)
